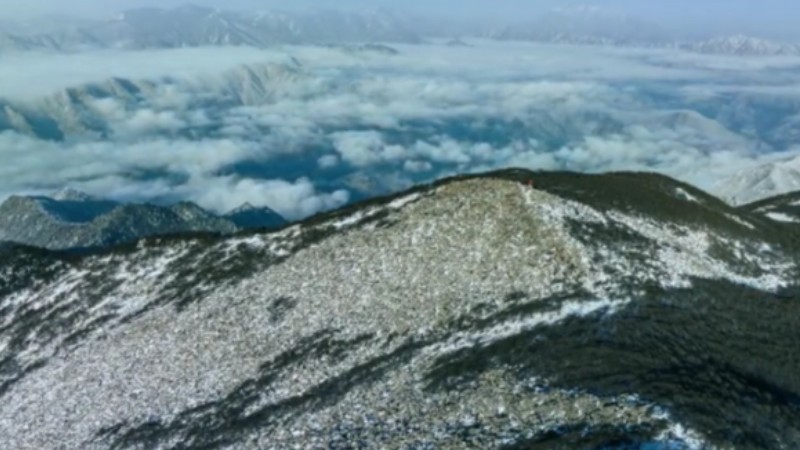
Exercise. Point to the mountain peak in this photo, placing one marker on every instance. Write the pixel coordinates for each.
(69, 194)
(250, 216)
(245, 207)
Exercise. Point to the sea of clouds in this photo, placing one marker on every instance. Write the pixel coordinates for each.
(304, 129)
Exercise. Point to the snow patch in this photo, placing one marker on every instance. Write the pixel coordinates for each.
(255, 242)
(351, 220)
(403, 201)
(682, 193)
(504, 330)
(740, 221)
(781, 217)
(360, 216)
(678, 433)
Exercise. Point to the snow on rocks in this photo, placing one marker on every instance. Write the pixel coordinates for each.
(518, 326)
(176, 324)
(681, 251)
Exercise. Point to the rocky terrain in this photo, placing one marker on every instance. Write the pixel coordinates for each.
(72, 220)
(512, 310)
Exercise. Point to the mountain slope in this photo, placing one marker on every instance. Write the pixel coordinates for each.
(73, 220)
(784, 208)
(583, 312)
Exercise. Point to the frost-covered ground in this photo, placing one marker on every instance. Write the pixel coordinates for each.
(361, 329)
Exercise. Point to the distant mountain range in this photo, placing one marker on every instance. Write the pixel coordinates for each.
(78, 110)
(596, 26)
(70, 219)
(640, 35)
(191, 26)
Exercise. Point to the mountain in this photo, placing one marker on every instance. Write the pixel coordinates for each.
(761, 182)
(741, 45)
(83, 110)
(582, 311)
(248, 217)
(74, 220)
(193, 26)
(783, 208)
(588, 25)
(68, 194)
(622, 35)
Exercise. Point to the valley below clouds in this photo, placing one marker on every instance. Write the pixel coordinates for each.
(302, 129)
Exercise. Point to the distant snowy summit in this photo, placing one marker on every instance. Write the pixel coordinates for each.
(590, 25)
(741, 45)
(765, 181)
(194, 26)
(70, 219)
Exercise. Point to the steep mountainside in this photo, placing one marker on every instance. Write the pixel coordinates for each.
(513, 310)
(73, 220)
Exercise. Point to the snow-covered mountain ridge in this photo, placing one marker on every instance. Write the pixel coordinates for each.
(507, 310)
(761, 182)
(195, 26)
(192, 26)
(95, 109)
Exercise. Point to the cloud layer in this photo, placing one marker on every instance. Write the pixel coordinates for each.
(303, 129)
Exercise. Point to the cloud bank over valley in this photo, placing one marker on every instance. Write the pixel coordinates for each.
(303, 129)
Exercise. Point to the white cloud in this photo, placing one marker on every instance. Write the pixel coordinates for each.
(32, 75)
(293, 200)
(417, 166)
(146, 121)
(328, 161)
(366, 148)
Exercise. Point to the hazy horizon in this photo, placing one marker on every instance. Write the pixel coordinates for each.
(770, 18)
